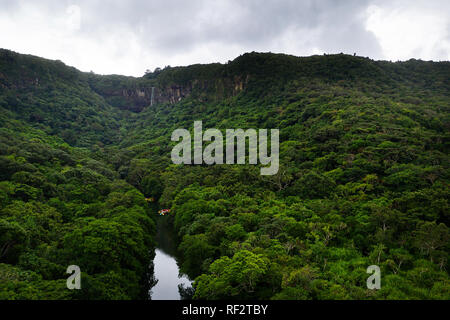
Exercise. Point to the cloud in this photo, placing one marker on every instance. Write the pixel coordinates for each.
(405, 31)
(128, 37)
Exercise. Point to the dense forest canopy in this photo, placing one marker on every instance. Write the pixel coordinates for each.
(363, 179)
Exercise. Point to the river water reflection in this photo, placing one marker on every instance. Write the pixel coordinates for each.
(165, 265)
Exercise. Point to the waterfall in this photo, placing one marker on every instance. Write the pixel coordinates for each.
(151, 99)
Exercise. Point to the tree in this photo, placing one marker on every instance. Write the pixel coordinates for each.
(233, 278)
(430, 236)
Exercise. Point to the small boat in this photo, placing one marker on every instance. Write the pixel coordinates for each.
(163, 212)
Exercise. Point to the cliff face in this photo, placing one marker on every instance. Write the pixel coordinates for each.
(133, 99)
(203, 90)
(138, 94)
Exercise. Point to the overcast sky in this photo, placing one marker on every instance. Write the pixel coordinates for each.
(128, 37)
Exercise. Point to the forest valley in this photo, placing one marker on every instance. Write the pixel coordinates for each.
(363, 178)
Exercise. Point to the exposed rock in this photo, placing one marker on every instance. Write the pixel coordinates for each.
(135, 94)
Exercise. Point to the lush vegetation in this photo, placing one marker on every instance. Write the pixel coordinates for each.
(363, 179)
(60, 204)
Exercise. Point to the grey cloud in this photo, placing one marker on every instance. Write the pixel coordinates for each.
(167, 29)
(174, 26)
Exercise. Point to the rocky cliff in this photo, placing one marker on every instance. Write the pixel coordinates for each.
(135, 94)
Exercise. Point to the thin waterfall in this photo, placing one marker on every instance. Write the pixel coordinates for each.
(151, 99)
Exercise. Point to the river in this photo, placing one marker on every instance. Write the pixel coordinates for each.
(166, 269)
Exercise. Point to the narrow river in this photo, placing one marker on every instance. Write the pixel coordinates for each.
(165, 265)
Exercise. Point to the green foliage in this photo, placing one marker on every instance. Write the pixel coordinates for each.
(236, 277)
(363, 179)
(59, 207)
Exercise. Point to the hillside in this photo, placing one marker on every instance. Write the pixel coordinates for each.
(363, 179)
